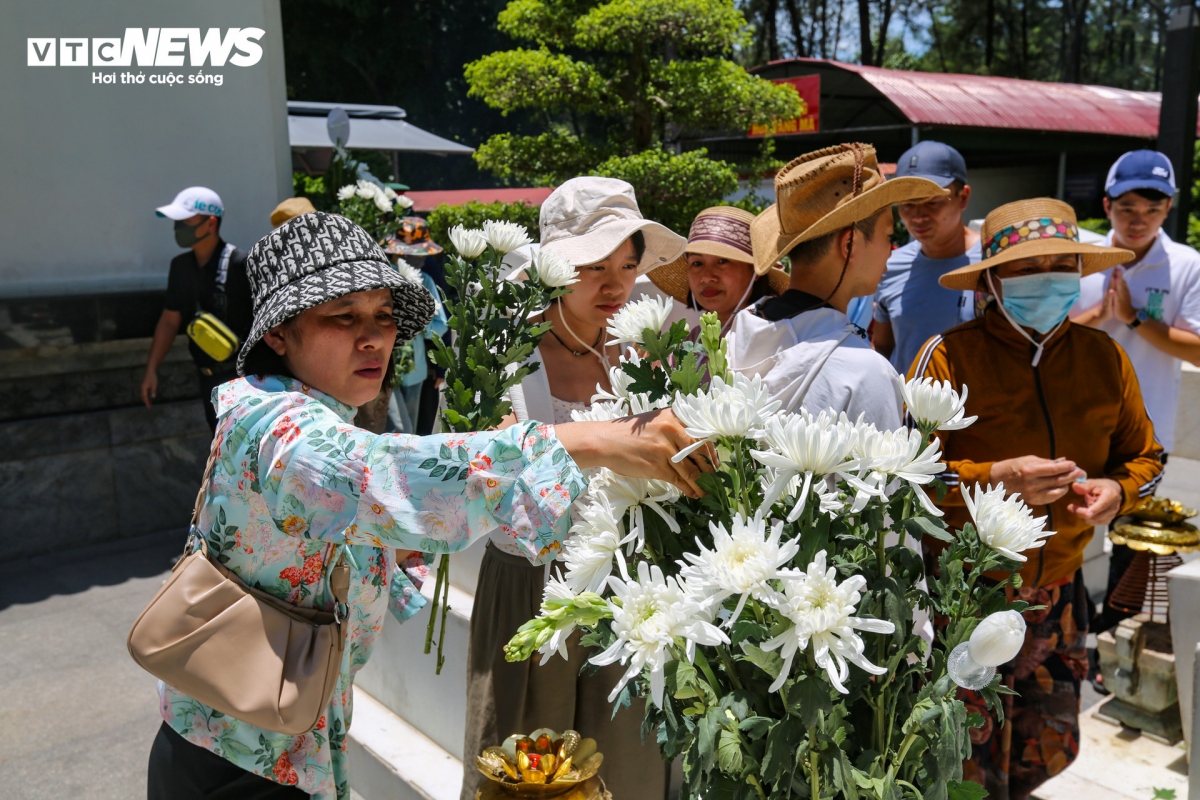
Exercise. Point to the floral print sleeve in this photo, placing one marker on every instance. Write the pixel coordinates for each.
(294, 480)
(323, 478)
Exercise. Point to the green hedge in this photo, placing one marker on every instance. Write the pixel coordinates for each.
(473, 214)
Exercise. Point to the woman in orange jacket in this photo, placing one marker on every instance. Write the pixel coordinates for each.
(1061, 422)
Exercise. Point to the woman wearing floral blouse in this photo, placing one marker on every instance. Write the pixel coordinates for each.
(293, 481)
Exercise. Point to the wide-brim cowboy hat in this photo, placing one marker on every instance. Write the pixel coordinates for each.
(587, 218)
(1028, 229)
(314, 258)
(721, 231)
(825, 191)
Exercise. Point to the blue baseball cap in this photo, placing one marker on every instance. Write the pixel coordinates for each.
(933, 161)
(1141, 169)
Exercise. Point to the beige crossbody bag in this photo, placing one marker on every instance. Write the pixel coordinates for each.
(238, 649)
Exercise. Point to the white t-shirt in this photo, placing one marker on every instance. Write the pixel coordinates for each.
(1166, 284)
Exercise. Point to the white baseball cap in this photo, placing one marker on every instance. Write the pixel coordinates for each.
(192, 201)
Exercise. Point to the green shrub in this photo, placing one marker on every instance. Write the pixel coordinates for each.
(1098, 225)
(673, 189)
(473, 214)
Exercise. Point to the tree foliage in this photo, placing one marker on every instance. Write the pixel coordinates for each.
(613, 85)
(1110, 42)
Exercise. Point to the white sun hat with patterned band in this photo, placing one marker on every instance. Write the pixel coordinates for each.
(318, 257)
(587, 218)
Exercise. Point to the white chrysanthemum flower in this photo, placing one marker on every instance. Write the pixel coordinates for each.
(505, 236)
(743, 561)
(806, 446)
(600, 411)
(887, 456)
(630, 323)
(589, 551)
(725, 411)
(651, 618)
(346, 192)
(934, 405)
(619, 380)
(631, 496)
(557, 591)
(389, 193)
(367, 190)
(641, 403)
(469, 242)
(382, 203)
(553, 270)
(1005, 524)
(409, 272)
(404, 201)
(822, 614)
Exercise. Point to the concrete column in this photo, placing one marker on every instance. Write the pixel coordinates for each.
(1183, 585)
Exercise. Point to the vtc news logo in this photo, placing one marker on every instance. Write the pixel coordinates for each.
(150, 47)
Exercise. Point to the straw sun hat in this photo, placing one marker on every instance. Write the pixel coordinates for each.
(722, 231)
(826, 191)
(587, 218)
(1031, 228)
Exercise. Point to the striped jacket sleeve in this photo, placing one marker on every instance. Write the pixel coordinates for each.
(1135, 457)
(931, 362)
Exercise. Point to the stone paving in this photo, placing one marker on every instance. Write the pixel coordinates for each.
(77, 716)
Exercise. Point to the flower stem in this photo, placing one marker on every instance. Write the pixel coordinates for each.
(706, 668)
(814, 764)
(727, 662)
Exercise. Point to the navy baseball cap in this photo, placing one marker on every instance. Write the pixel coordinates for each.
(933, 161)
(1141, 169)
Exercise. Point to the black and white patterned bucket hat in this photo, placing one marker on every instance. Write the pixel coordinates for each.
(318, 257)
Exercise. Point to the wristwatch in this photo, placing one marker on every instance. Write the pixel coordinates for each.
(1141, 317)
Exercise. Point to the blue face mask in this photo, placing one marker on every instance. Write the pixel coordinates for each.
(1040, 301)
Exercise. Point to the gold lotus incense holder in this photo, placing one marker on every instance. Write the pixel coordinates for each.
(1157, 525)
(542, 764)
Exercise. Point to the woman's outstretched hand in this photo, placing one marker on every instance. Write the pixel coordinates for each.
(638, 447)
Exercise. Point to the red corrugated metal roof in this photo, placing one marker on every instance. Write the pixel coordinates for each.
(429, 200)
(981, 101)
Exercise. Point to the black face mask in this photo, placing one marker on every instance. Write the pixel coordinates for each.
(185, 235)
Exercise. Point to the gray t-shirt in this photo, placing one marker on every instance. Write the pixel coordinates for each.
(910, 298)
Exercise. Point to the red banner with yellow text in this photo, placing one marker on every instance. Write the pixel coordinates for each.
(809, 89)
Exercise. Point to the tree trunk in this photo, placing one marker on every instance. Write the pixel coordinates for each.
(864, 32)
(772, 15)
(886, 7)
(803, 49)
(989, 35)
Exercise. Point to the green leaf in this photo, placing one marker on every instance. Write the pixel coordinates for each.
(221, 515)
(782, 742)
(808, 696)
(969, 790)
(729, 752)
(445, 452)
(451, 474)
(755, 727)
(234, 746)
(437, 471)
(747, 629)
(429, 463)
(924, 526)
(769, 662)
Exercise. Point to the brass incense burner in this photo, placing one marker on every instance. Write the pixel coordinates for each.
(1157, 526)
(542, 764)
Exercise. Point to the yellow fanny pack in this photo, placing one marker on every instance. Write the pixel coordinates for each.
(213, 336)
(208, 332)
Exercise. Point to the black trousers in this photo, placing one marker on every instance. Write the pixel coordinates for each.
(180, 770)
(207, 384)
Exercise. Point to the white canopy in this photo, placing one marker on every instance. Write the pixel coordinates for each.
(371, 128)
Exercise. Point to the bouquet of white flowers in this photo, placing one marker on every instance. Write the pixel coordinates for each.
(779, 624)
(493, 339)
(373, 207)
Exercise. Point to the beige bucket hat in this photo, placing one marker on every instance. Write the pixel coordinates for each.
(825, 191)
(587, 218)
(1031, 228)
(722, 231)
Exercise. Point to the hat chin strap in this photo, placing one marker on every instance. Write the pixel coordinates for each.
(602, 356)
(1038, 346)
